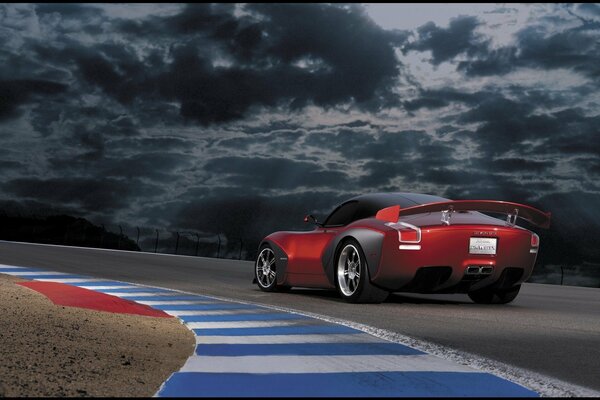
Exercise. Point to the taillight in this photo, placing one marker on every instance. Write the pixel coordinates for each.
(535, 243)
(408, 235)
(535, 240)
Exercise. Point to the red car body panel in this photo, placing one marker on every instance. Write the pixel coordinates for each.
(438, 263)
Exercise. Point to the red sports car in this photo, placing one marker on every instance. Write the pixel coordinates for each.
(375, 244)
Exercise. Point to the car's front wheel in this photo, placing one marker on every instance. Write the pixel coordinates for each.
(352, 276)
(265, 270)
(494, 296)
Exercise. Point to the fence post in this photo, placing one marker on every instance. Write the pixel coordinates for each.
(219, 246)
(120, 236)
(241, 244)
(562, 274)
(137, 242)
(156, 243)
(102, 236)
(177, 242)
(197, 243)
(66, 233)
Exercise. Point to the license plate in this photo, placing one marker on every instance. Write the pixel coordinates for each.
(482, 245)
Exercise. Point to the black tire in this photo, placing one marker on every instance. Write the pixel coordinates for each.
(361, 290)
(494, 296)
(266, 277)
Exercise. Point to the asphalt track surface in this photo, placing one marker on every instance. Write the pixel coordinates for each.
(551, 330)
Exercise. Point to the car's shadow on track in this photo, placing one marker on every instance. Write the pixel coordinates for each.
(394, 298)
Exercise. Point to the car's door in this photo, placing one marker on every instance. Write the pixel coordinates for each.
(309, 246)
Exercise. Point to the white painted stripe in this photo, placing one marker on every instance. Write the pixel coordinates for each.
(143, 294)
(321, 364)
(105, 287)
(287, 339)
(68, 280)
(174, 302)
(239, 324)
(189, 313)
(28, 273)
(4, 266)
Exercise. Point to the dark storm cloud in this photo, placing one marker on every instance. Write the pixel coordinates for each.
(507, 124)
(158, 167)
(253, 216)
(291, 55)
(576, 48)
(6, 165)
(438, 98)
(166, 143)
(357, 144)
(14, 93)
(274, 173)
(589, 8)
(511, 165)
(276, 139)
(74, 11)
(446, 43)
(90, 194)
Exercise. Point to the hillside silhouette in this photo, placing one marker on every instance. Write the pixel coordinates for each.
(62, 230)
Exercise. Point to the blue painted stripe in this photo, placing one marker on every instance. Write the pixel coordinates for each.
(306, 349)
(164, 298)
(276, 330)
(134, 290)
(201, 307)
(361, 384)
(241, 317)
(101, 283)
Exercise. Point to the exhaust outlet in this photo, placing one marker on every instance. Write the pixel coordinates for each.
(487, 270)
(472, 270)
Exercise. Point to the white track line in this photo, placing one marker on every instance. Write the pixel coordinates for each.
(189, 313)
(289, 339)
(69, 280)
(104, 287)
(174, 302)
(320, 364)
(239, 324)
(141, 294)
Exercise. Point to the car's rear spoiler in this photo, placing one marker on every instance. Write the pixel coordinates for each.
(513, 210)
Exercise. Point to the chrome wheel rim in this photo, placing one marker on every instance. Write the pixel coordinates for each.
(349, 269)
(265, 268)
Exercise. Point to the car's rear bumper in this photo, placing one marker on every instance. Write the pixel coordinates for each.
(443, 263)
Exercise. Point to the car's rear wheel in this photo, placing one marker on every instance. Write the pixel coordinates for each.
(352, 275)
(494, 296)
(265, 269)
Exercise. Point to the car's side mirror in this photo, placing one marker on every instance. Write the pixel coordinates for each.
(311, 218)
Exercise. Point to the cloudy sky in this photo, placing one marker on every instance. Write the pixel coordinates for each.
(241, 118)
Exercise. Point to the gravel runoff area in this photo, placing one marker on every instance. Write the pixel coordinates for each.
(49, 350)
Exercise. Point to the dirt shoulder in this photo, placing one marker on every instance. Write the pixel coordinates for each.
(48, 350)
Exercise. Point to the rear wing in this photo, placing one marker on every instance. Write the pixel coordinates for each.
(512, 210)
